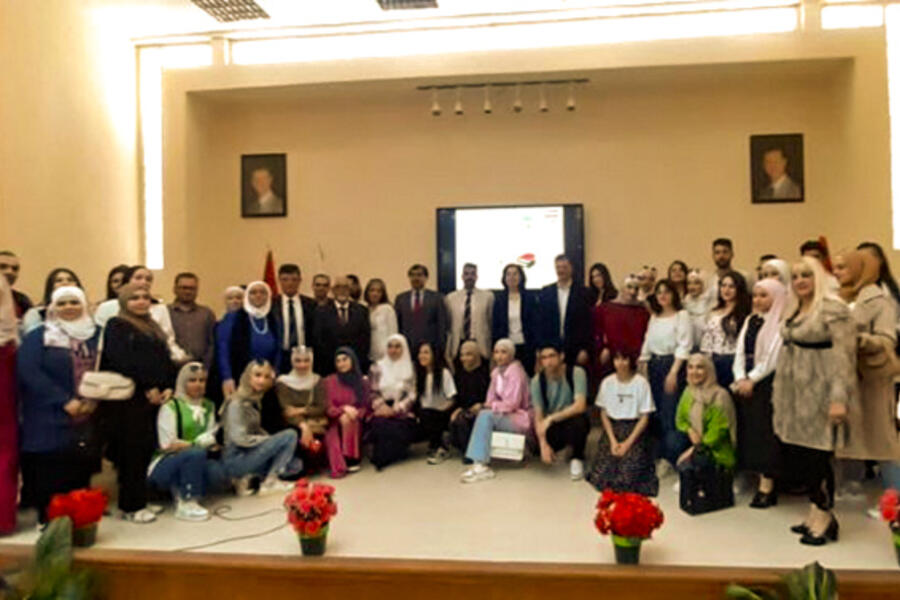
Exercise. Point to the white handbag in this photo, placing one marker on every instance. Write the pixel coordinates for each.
(105, 385)
(507, 446)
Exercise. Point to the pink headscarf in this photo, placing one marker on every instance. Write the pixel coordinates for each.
(772, 319)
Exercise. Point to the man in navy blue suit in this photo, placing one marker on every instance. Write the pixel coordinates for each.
(565, 313)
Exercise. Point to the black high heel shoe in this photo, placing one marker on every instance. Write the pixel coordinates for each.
(800, 529)
(763, 500)
(831, 534)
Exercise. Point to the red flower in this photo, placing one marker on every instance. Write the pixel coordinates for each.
(627, 514)
(890, 506)
(85, 507)
(310, 508)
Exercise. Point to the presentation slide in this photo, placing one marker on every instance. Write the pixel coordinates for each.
(494, 237)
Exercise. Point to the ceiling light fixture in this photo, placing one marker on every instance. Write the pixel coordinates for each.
(406, 4)
(228, 11)
(517, 103)
(435, 105)
(542, 105)
(458, 107)
(488, 107)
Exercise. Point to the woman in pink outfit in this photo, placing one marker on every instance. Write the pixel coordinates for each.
(9, 438)
(507, 408)
(347, 392)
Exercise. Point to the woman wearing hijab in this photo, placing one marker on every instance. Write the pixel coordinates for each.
(873, 430)
(135, 346)
(777, 269)
(757, 350)
(472, 380)
(59, 450)
(507, 407)
(347, 392)
(9, 430)
(515, 315)
(302, 401)
(247, 335)
(186, 428)
(250, 451)
(619, 324)
(706, 415)
(56, 279)
(814, 390)
(392, 426)
(697, 303)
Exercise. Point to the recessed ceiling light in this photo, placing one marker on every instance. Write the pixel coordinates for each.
(400, 4)
(227, 11)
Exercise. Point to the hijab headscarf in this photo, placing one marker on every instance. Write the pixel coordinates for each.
(471, 345)
(863, 269)
(395, 375)
(354, 377)
(263, 311)
(143, 323)
(59, 333)
(300, 382)
(709, 393)
(630, 280)
(9, 324)
(191, 370)
(501, 371)
(783, 268)
(772, 319)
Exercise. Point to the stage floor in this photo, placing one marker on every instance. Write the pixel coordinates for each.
(528, 513)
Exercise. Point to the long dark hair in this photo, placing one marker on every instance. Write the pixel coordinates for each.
(743, 302)
(521, 277)
(436, 370)
(48, 284)
(609, 291)
(682, 292)
(384, 294)
(654, 303)
(110, 293)
(884, 274)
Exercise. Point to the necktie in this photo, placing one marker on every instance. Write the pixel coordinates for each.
(343, 314)
(417, 301)
(467, 317)
(292, 323)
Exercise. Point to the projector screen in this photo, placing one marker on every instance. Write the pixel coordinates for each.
(494, 236)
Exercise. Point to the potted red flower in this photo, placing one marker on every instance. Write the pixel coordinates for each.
(85, 508)
(630, 518)
(310, 510)
(890, 512)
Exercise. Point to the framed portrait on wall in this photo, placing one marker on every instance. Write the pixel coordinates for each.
(263, 185)
(776, 168)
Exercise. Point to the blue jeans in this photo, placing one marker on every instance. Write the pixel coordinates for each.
(188, 474)
(486, 423)
(266, 459)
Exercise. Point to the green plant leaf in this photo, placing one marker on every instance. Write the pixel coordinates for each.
(739, 592)
(53, 550)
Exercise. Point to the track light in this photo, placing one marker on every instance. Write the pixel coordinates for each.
(542, 105)
(570, 104)
(435, 105)
(458, 107)
(517, 104)
(488, 107)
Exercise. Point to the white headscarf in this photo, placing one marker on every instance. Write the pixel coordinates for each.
(396, 375)
(772, 318)
(295, 380)
(784, 270)
(263, 311)
(510, 347)
(9, 324)
(191, 370)
(59, 333)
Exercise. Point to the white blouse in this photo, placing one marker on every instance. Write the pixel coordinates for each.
(668, 335)
(383, 321)
(698, 309)
(761, 368)
(713, 340)
(443, 400)
(516, 332)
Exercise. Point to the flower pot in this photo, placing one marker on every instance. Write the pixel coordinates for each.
(628, 550)
(314, 545)
(84, 537)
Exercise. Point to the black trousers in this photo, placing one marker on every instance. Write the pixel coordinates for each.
(571, 432)
(461, 430)
(129, 428)
(434, 424)
(46, 474)
(390, 438)
(814, 468)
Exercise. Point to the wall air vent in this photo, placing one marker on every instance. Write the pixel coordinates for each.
(402, 4)
(227, 11)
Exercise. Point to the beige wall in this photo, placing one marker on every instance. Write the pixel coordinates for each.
(659, 158)
(68, 187)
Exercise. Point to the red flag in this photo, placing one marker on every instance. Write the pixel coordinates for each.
(826, 262)
(269, 273)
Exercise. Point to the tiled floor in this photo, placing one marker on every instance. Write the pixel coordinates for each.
(528, 513)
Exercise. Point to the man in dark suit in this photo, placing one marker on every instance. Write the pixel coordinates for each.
(421, 314)
(565, 313)
(294, 313)
(340, 323)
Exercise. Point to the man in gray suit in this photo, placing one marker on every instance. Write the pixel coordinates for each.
(781, 186)
(421, 315)
(470, 311)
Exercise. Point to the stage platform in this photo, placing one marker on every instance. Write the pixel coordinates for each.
(531, 521)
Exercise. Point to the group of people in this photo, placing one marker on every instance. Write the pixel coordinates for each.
(783, 375)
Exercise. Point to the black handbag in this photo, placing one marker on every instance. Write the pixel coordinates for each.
(705, 486)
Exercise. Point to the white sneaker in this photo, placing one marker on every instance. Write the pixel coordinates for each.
(142, 516)
(677, 487)
(874, 513)
(663, 469)
(190, 510)
(242, 487)
(576, 469)
(156, 509)
(438, 456)
(479, 472)
(273, 485)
